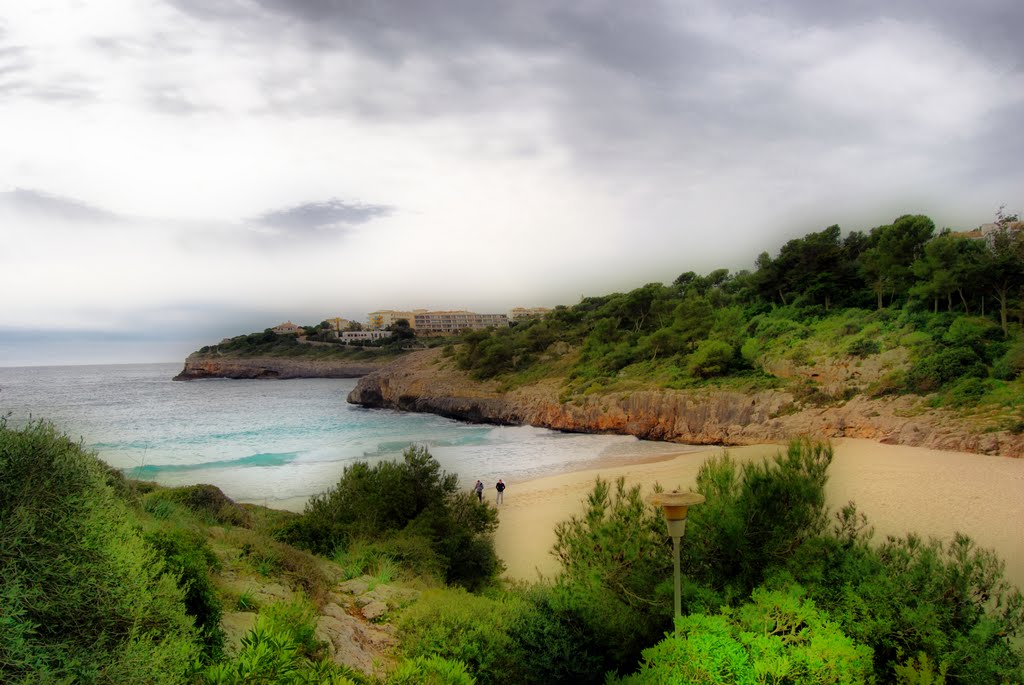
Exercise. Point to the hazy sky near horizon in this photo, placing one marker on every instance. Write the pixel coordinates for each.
(176, 171)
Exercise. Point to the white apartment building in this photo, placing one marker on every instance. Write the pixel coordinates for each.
(361, 336)
(449, 322)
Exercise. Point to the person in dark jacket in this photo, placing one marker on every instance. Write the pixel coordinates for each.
(500, 487)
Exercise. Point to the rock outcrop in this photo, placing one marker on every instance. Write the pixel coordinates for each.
(427, 382)
(199, 366)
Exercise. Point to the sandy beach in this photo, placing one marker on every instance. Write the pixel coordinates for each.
(901, 489)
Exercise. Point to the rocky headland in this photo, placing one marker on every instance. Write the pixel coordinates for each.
(199, 366)
(426, 381)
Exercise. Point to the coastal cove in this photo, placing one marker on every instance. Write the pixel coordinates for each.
(276, 443)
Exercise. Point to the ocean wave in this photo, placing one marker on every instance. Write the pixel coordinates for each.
(261, 459)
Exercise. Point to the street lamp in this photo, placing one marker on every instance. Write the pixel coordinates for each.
(675, 505)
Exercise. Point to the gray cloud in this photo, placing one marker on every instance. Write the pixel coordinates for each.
(38, 203)
(318, 216)
(617, 83)
(173, 100)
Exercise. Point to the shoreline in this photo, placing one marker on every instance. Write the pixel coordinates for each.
(901, 489)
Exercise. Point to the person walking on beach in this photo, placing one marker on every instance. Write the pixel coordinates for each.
(479, 490)
(500, 487)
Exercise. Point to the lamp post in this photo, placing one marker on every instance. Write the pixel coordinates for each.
(675, 505)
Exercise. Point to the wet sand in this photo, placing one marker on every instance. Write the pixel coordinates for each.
(901, 489)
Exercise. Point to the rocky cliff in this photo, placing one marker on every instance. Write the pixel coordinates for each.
(427, 382)
(199, 366)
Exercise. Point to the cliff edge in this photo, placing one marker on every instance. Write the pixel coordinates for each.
(426, 381)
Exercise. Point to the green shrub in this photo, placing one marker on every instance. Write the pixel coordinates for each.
(946, 601)
(971, 331)
(967, 392)
(190, 559)
(431, 670)
(616, 578)
(269, 557)
(711, 358)
(83, 598)
(756, 515)
(938, 369)
(554, 644)
(272, 657)
(863, 347)
(476, 631)
(892, 383)
(615, 561)
(1011, 364)
(297, 620)
(412, 497)
(778, 637)
(206, 501)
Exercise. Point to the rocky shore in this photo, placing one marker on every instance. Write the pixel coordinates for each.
(427, 382)
(198, 366)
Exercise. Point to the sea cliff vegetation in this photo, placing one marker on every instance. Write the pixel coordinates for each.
(109, 580)
(924, 312)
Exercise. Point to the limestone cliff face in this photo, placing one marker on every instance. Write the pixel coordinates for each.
(205, 366)
(427, 382)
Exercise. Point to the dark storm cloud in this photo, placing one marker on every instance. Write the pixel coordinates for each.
(36, 203)
(317, 216)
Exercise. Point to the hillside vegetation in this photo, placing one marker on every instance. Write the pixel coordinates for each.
(270, 344)
(108, 580)
(907, 309)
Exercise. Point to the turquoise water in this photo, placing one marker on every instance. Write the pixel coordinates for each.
(271, 440)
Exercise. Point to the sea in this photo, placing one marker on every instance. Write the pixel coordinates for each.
(277, 442)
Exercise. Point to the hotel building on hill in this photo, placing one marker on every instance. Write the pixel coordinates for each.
(447, 323)
(517, 313)
(387, 317)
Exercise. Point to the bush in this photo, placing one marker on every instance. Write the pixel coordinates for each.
(430, 670)
(936, 370)
(967, 392)
(190, 559)
(756, 515)
(711, 358)
(945, 603)
(476, 631)
(778, 637)
(413, 497)
(612, 569)
(84, 598)
(297, 620)
(1011, 364)
(269, 656)
(863, 347)
(616, 578)
(205, 500)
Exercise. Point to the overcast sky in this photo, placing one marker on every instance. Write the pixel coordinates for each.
(176, 171)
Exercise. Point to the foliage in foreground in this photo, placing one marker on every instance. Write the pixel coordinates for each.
(923, 609)
(83, 597)
(400, 505)
(917, 602)
(616, 558)
(520, 635)
(776, 637)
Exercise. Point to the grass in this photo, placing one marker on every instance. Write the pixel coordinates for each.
(247, 601)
